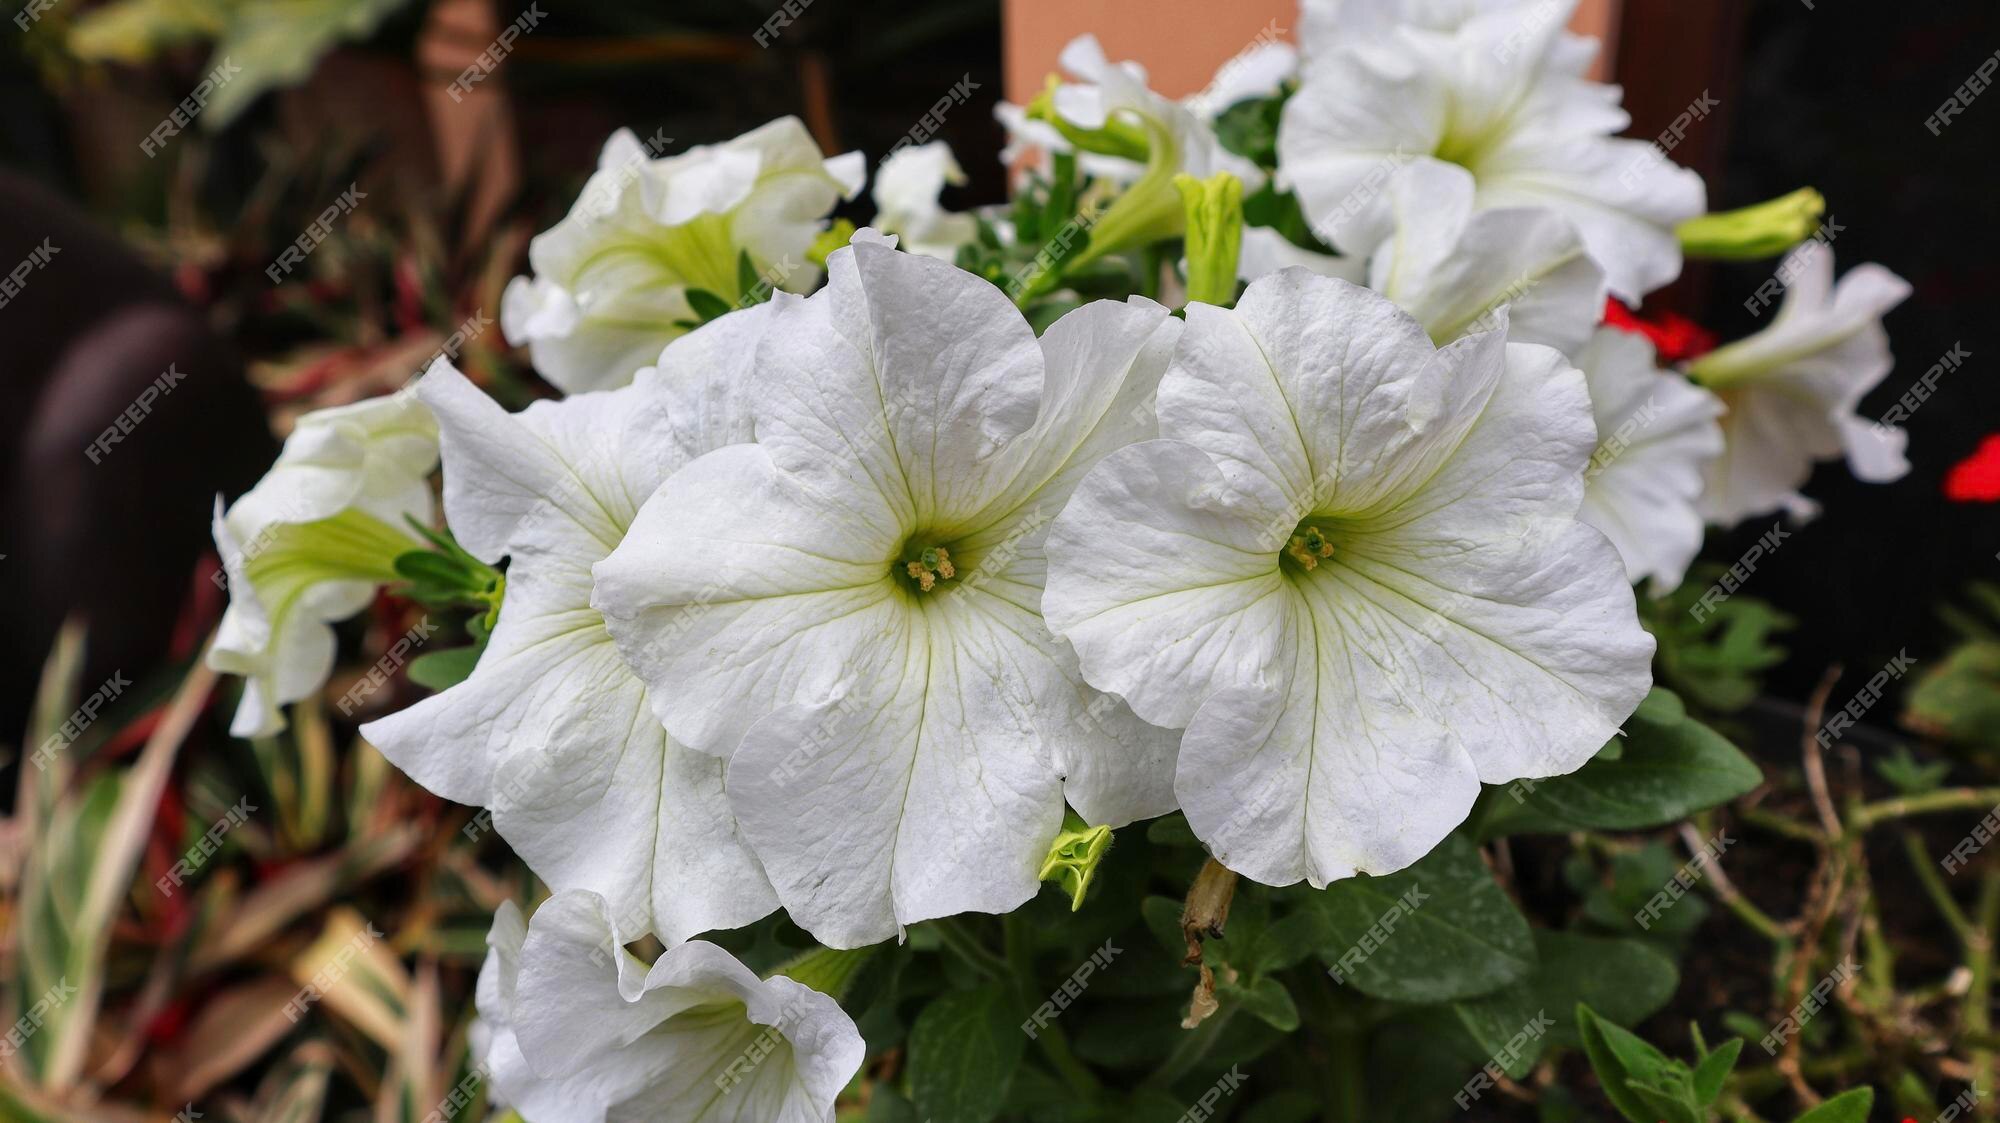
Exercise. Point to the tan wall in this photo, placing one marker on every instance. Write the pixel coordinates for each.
(1182, 42)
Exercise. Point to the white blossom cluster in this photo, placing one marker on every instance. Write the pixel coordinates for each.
(834, 603)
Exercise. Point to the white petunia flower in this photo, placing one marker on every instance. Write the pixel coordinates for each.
(553, 731)
(906, 192)
(1324, 25)
(578, 1030)
(611, 279)
(1129, 135)
(1259, 71)
(1454, 267)
(849, 608)
(1656, 432)
(310, 544)
(1791, 390)
(1498, 90)
(1352, 570)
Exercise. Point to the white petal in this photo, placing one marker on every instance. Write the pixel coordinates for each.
(922, 794)
(552, 730)
(1656, 434)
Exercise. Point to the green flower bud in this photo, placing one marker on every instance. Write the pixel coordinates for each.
(1214, 209)
(1073, 857)
(1763, 230)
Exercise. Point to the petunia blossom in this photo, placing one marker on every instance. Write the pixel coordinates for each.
(1499, 90)
(1351, 568)
(1454, 267)
(1791, 390)
(1656, 433)
(311, 543)
(611, 279)
(848, 608)
(907, 185)
(552, 730)
(575, 1029)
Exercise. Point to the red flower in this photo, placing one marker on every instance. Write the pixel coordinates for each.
(1976, 479)
(1674, 336)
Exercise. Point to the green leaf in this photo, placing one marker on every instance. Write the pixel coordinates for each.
(1625, 981)
(1442, 929)
(1267, 1000)
(425, 567)
(1714, 1069)
(442, 670)
(1668, 770)
(1615, 1055)
(963, 1052)
(707, 305)
(1847, 1107)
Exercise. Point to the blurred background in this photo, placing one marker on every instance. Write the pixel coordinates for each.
(150, 244)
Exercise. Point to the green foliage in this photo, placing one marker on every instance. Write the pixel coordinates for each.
(1715, 661)
(1646, 1085)
(963, 1052)
(1439, 930)
(1664, 767)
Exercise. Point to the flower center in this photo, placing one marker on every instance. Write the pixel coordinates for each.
(1308, 546)
(925, 566)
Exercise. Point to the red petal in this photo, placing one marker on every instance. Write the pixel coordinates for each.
(1976, 479)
